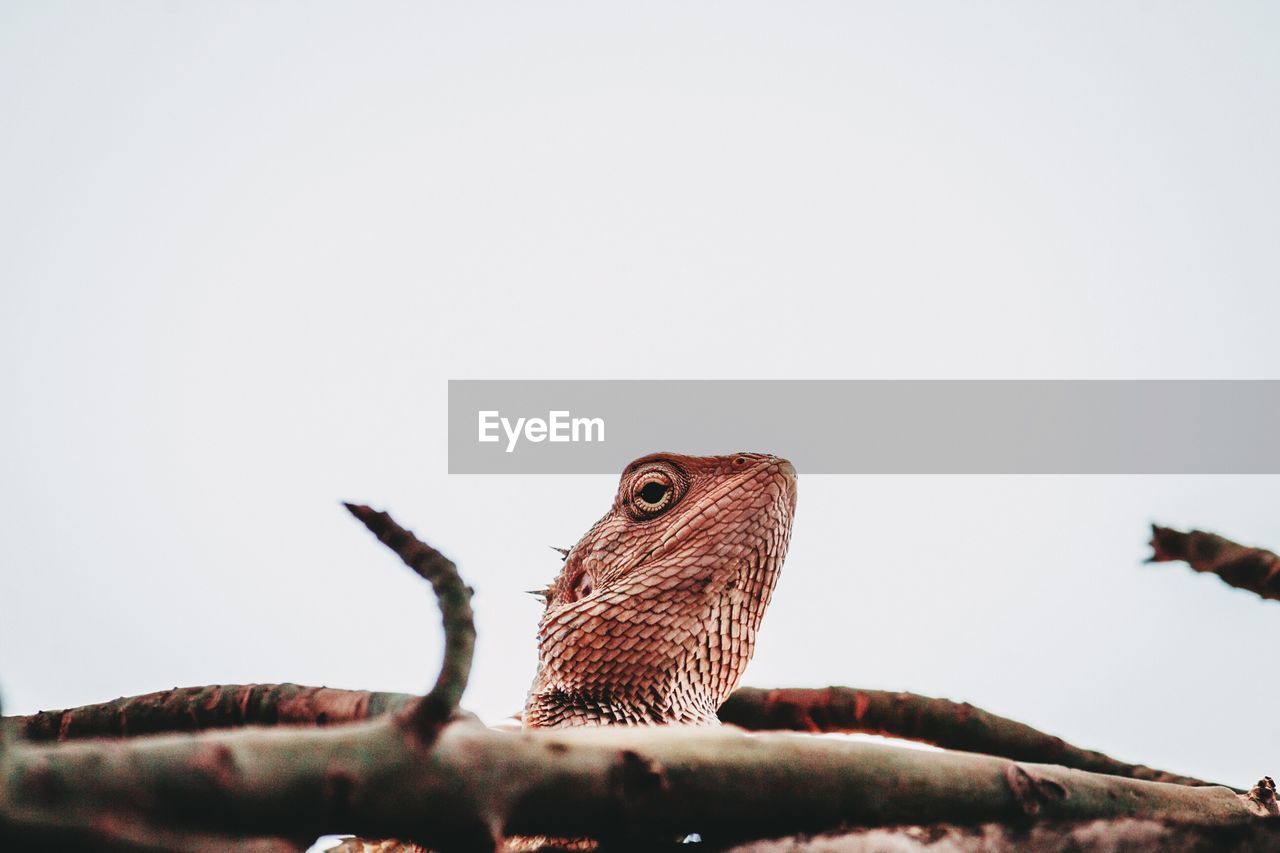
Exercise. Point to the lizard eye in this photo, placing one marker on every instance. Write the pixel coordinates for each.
(652, 492)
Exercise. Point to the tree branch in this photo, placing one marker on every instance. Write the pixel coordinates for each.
(472, 782)
(116, 834)
(1254, 569)
(1099, 836)
(425, 717)
(35, 809)
(415, 775)
(941, 722)
(218, 706)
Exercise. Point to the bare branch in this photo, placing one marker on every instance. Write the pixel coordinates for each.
(460, 785)
(367, 778)
(426, 716)
(1254, 569)
(220, 706)
(951, 725)
(1099, 836)
(214, 707)
(941, 722)
(114, 834)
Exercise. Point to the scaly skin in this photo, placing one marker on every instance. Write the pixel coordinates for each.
(654, 616)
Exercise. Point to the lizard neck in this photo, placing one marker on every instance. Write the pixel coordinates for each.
(560, 709)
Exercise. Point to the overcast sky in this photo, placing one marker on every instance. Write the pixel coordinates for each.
(245, 245)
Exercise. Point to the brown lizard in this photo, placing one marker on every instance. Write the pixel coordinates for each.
(654, 616)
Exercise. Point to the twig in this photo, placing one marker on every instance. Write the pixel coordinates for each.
(1254, 569)
(425, 717)
(951, 725)
(368, 779)
(216, 706)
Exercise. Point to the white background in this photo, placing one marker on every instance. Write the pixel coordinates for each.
(245, 245)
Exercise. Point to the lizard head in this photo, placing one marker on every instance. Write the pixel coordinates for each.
(654, 615)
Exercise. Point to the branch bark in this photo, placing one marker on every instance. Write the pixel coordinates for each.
(941, 722)
(1100, 836)
(951, 725)
(418, 774)
(426, 716)
(472, 783)
(1254, 569)
(218, 706)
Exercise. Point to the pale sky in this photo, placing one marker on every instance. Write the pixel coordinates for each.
(246, 244)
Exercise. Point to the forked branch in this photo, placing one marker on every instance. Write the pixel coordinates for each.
(456, 784)
(473, 783)
(951, 725)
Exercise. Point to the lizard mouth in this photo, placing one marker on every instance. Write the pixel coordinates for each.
(787, 470)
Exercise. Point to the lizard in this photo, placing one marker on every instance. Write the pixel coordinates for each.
(654, 614)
